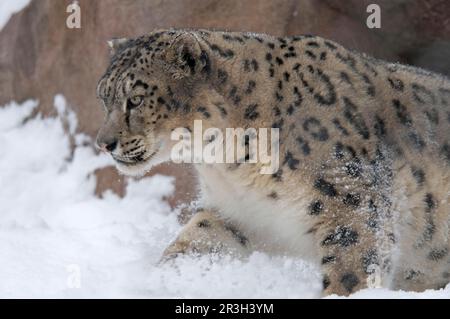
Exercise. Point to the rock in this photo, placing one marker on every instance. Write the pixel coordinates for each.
(108, 178)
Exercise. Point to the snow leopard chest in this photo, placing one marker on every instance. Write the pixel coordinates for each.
(272, 226)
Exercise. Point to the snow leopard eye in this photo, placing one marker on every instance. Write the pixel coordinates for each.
(134, 102)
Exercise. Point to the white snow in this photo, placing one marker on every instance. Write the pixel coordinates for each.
(57, 239)
(8, 8)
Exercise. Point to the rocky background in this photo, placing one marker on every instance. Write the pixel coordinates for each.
(40, 56)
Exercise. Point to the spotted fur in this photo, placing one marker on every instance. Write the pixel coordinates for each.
(364, 180)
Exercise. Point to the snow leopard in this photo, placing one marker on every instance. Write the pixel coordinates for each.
(363, 184)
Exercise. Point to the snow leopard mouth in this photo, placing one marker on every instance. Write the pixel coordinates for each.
(134, 161)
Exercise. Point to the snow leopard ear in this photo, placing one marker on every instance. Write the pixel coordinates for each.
(116, 45)
(184, 57)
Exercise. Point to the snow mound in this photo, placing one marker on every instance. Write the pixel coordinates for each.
(8, 8)
(57, 239)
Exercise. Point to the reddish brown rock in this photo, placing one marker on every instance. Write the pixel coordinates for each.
(109, 179)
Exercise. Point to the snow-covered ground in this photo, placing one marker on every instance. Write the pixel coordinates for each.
(8, 8)
(57, 239)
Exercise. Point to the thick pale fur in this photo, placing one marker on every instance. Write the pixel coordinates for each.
(364, 182)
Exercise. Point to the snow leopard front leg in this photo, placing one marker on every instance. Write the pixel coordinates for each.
(206, 233)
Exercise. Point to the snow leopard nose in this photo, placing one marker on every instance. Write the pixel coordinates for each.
(107, 146)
